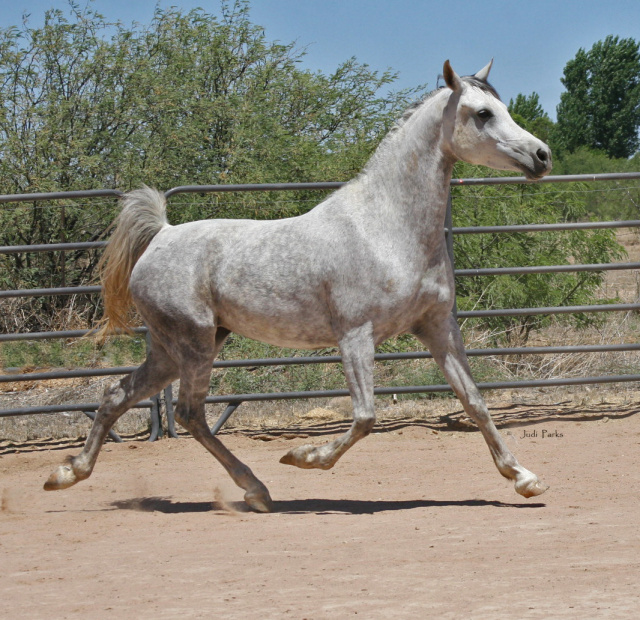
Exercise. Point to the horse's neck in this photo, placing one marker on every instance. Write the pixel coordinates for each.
(408, 180)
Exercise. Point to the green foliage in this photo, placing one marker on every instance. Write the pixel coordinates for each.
(601, 106)
(525, 204)
(191, 99)
(120, 351)
(613, 200)
(528, 113)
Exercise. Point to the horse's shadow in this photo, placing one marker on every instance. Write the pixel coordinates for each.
(308, 506)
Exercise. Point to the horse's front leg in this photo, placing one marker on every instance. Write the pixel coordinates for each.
(357, 348)
(442, 337)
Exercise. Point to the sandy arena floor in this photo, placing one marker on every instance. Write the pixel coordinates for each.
(411, 523)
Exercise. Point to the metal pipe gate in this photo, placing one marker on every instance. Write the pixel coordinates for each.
(234, 400)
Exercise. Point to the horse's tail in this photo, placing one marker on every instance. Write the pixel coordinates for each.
(143, 215)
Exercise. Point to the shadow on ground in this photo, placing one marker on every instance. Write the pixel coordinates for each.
(307, 506)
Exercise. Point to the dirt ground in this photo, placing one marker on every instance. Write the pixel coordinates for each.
(413, 522)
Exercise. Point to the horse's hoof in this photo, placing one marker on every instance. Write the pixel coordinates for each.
(259, 501)
(288, 459)
(306, 457)
(530, 487)
(62, 478)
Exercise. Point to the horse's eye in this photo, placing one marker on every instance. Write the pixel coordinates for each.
(485, 115)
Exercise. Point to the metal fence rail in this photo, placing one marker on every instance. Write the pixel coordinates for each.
(233, 400)
(324, 359)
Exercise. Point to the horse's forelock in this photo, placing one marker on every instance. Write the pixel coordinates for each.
(483, 85)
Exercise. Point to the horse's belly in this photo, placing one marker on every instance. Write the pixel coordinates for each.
(297, 330)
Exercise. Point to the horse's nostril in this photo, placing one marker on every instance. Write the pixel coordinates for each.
(542, 154)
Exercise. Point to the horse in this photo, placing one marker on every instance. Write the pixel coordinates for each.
(366, 264)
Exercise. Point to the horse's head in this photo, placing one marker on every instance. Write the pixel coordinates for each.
(480, 130)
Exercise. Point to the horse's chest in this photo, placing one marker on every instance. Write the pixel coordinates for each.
(400, 299)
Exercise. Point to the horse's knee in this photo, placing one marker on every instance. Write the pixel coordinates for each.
(476, 408)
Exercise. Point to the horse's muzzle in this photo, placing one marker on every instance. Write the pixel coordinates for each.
(541, 164)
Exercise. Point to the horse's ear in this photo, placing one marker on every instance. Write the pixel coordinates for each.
(451, 78)
(483, 74)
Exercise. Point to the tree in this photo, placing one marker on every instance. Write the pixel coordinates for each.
(192, 98)
(528, 113)
(600, 108)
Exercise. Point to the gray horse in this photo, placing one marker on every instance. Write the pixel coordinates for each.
(365, 265)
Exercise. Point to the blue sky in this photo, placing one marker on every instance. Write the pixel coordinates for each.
(531, 41)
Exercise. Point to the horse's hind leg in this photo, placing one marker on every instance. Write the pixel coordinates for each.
(357, 348)
(154, 374)
(195, 372)
(443, 339)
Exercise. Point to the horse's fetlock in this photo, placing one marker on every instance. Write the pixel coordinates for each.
(507, 466)
(80, 469)
(366, 424)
